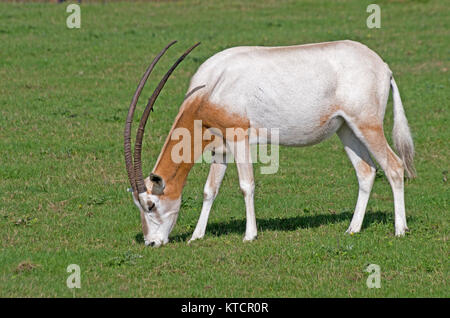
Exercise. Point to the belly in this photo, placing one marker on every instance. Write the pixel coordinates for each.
(302, 116)
(305, 133)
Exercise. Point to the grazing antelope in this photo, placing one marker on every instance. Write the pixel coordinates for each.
(307, 92)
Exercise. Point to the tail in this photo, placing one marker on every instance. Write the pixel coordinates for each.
(403, 141)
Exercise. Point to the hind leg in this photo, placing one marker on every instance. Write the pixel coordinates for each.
(365, 172)
(372, 135)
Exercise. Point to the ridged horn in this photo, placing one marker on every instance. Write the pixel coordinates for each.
(127, 131)
(140, 132)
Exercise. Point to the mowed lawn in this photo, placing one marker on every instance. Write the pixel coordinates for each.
(64, 96)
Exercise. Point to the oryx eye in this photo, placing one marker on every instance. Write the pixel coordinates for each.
(150, 205)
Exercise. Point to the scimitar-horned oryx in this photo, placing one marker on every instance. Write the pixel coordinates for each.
(307, 92)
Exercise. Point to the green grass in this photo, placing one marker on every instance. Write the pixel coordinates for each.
(64, 96)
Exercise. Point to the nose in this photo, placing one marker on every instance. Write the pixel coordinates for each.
(153, 243)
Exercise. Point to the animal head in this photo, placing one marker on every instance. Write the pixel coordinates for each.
(158, 212)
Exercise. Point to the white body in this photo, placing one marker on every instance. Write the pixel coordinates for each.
(291, 88)
(309, 92)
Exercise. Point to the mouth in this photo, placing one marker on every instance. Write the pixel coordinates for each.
(154, 243)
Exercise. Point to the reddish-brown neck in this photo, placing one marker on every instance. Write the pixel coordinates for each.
(196, 108)
(175, 173)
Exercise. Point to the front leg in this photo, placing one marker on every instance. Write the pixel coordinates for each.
(247, 185)
(241, 151)
(212, 185)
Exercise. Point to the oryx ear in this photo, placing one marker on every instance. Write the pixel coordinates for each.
(158, 184)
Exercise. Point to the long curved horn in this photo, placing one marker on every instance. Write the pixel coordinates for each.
(140, 133)
(127, 132)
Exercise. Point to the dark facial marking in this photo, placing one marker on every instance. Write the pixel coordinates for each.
(151, 205)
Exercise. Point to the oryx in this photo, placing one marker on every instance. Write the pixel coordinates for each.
(307, 92)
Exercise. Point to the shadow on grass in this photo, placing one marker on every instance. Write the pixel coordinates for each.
(283, 224)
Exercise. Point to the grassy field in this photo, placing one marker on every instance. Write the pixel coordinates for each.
(64, 96)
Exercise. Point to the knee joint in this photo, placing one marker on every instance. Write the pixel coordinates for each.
(247, 188)
(209, 193)
(396, 175)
